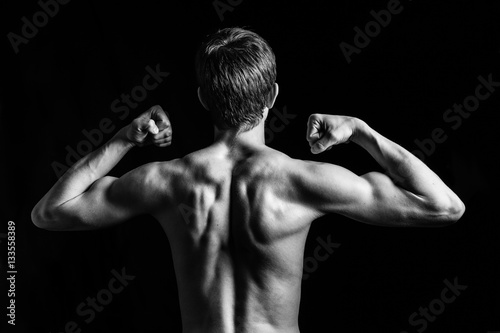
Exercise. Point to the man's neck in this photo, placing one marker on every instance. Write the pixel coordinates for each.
(233, 137)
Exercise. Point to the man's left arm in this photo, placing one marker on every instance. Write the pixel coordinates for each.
(85, 198)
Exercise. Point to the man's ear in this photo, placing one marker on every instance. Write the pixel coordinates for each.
(272, 96)
(201, 99)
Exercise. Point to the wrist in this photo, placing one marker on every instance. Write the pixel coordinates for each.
(121, 138)
(361, 132)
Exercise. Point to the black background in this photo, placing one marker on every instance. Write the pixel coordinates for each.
(428, 58)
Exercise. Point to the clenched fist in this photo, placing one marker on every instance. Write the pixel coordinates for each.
(151, 127)
(325, 131)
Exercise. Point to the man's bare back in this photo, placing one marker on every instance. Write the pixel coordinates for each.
(237, 213)
(237, 238)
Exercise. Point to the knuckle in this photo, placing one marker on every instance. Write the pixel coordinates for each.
(329, 135)
(313, 117)
(316, 116)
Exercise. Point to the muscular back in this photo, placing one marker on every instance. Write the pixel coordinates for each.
(237, 236)
(237, 213)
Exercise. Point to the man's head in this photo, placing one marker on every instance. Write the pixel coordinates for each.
(236, 72)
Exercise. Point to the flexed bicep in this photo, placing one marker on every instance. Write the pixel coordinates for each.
(110, 201)
(372, 198)
(407, 194)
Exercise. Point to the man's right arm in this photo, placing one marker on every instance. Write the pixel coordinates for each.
(407, 194)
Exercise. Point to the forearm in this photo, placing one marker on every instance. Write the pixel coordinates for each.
(406, 170)
(84, 173)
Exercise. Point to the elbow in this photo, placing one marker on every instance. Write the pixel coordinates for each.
(38, 219)
(42, 219)
(448, 212)
(52, 219)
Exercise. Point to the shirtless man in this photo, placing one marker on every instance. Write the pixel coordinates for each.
(237, 213)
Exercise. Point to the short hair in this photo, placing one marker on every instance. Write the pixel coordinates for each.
(236, 70)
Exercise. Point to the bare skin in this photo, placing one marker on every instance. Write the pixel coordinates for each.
(237, 213)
